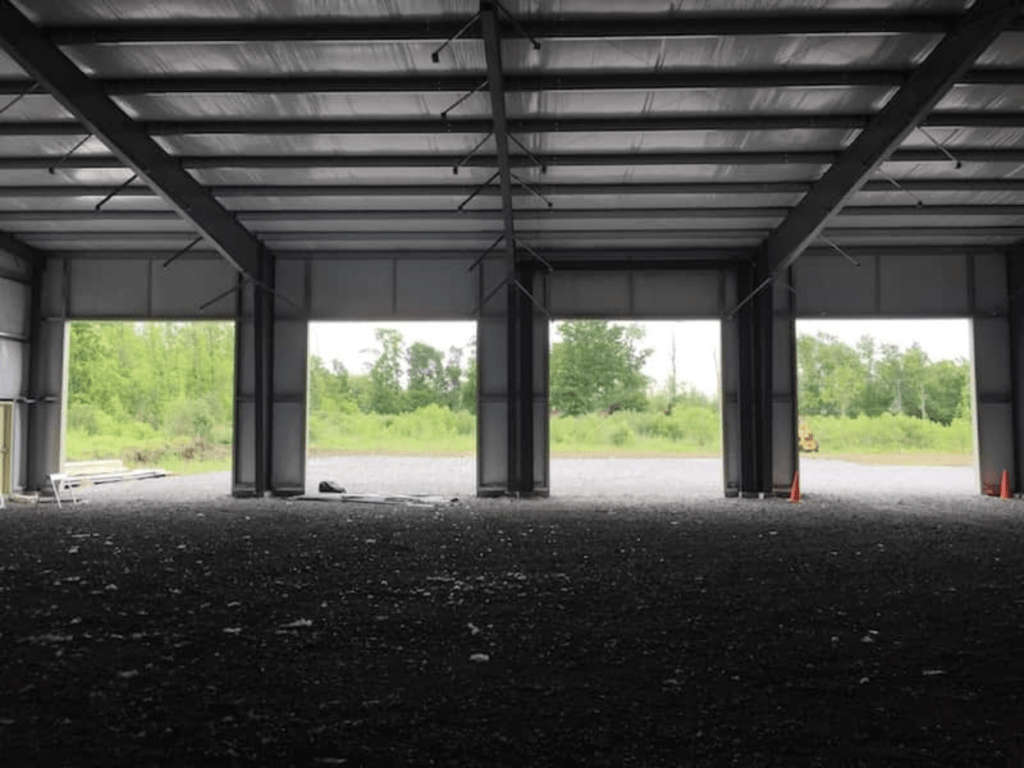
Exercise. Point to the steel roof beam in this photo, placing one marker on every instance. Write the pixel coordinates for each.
(595, 256)
(952, 184)
(576, 159)
(394, 234)
(954, 54)
(570, 81)
(297, 216)
(632, 125)
(43, 61)
(678, 25)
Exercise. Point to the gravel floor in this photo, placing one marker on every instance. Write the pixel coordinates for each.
(701, 632)
(636, 480)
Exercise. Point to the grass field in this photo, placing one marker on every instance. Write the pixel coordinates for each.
(433, 431)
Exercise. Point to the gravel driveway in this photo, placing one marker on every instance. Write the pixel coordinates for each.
(637, 480)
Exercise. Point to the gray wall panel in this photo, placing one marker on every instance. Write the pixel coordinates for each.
(590, 294)
(831, 285)
(244, 466)
(990, 355)
(995, 444)
(245, 359)
(12, 371)
(115, 287)
(15, 266)
(14, 309)
(989, 282)
(676, 295)
(53, 288)
(290, 283)
(924, 284)
(492, 445)
(438, 288)
(353, 290)
(187, 284)
(288, 468)
(290, 342)
(491, 353)
(993, 396)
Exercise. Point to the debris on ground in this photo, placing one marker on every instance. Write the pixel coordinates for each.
(337, 493)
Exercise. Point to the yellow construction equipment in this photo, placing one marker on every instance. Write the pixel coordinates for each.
(805, 439)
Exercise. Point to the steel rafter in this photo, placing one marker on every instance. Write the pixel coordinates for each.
(568, 81)
(948, 61)
(43, 61)
(951, 184)
(631, 125)
(573, 159)
(606, 26)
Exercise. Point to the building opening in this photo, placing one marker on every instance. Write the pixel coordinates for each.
(150, 395)
(885, 406)
(635, 409)
(392, 407)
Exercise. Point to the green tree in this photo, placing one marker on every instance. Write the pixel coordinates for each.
(945, 384)
(386, 395)
(598, 365)
(427, 377)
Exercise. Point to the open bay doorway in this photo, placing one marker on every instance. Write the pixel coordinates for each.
(392, 408)
(886, 407)
(635, 409)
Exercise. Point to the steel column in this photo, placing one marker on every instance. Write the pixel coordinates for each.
(520, 310)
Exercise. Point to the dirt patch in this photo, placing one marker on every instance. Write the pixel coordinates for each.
(511, 634)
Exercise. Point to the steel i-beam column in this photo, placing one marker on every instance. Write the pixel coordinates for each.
(254, 366)
(48, 366)
(754, 328)
(998, 373)
(512, 335)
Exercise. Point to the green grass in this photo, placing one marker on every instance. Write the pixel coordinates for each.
(436, 431)
(890, 435)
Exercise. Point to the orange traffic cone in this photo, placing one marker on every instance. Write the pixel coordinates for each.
(1004, 486)
(794, 491)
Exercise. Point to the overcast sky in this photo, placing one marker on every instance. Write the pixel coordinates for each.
(697, 342)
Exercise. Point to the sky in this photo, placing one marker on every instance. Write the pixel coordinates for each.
(697, 342)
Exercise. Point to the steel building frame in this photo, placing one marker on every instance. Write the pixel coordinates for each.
(630, 164)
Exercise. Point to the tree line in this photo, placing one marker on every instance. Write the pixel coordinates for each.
(178, 377)
(869, 379)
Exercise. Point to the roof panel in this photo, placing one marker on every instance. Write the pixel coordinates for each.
(703, 101)
(987, 138)
(275, 58)
(978, 97)
(60, 12)
(667, 141)
(545, 8)
(53, 12)
(1006, 51)
(283, 144)
(267, 106)
(748, 53)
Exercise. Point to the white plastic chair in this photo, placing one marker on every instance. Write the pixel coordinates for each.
(60, 481)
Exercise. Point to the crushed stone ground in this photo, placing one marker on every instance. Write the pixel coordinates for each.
(694, 632)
